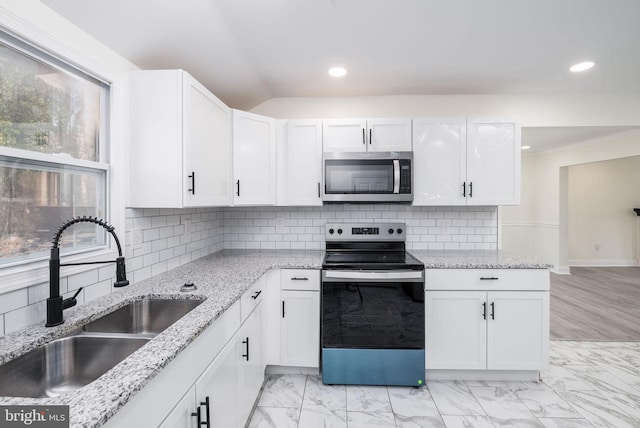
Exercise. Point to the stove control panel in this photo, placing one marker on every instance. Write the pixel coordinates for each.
(365, 232)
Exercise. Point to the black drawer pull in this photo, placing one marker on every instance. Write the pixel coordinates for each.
(484, 310)
(493, 311)
(295, 278)
(255, 296)
(283, 309)
(193, 183)
(489, 278)
(247, 354)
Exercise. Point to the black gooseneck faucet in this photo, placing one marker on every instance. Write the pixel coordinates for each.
(55, 303)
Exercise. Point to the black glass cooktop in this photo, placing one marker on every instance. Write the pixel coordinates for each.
(370, 260)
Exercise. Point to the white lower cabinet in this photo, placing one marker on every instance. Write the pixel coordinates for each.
(300, 322)
(480, 330)
(502, 327)
(251, 364)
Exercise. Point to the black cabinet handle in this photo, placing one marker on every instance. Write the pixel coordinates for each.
(238, 184)
(193, 183)
(255, 296)
(319, 189)
(302, 278)
(471, 189)
(205, 403)
(489, 278)
(370, 133)
(484, 310)
(364, 139)
(198, 415)
(464, 189)
(283, 309)
(247, 354)
(493, 311)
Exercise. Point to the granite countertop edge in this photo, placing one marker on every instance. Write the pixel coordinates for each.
(221, 279)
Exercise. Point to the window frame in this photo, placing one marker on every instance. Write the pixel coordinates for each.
(22, 274)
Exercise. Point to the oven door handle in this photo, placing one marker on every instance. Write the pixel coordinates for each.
(396, 176)
(396, 275)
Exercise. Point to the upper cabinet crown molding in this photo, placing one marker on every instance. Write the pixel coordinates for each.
(179, 142)
(366, 135)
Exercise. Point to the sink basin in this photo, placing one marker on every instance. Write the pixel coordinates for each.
(146, 316)
(64, 365)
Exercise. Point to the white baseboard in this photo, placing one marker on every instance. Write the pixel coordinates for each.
(561, 270)
(603, 263)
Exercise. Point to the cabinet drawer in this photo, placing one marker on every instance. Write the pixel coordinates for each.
(251, 298)
(300, 279)
(487, 279)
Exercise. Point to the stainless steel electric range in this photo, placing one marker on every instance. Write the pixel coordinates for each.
(372, 307)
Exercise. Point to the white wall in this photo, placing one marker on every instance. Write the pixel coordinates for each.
(540, 226)
(602, 224)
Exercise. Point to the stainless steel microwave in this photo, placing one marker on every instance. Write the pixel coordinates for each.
(367, 177)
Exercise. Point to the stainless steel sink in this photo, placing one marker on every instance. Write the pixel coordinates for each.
(64, 365)
(146, 316)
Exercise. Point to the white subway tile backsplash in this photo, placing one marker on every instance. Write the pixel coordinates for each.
(82, 279)
(38, 293)
(14, 300)
(97, 290)
(27, 315)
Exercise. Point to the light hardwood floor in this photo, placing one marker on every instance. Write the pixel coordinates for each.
(596, 303)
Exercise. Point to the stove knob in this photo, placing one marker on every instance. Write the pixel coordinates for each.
(331, 231)
(391, 231)
(399, 231)
(339, 231)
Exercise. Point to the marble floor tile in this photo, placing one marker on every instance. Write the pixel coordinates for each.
(319, 416)
(419, 421)
(594, 407)
(283, 391)
(454, 398)
(409, 401)
(560, 378)
(370, 420)
(333, 397)
(500, 403)
(542, 401)
(467, 421)
(274, 417)
(368, 399)
(565, 423)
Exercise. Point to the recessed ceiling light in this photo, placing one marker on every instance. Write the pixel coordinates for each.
(583, 66)
(338, 71)
(525, 147)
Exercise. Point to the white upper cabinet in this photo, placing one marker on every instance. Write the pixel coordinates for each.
(300, 178)
(179, 142)
(460, 161)
(440, 161)
(254, 159)
(493, 162)
(362, 135)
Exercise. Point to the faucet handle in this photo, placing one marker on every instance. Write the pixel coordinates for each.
(71, 301)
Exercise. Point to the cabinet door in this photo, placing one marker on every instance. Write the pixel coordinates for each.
(389, 135)
(251, 362)
(254, 159)
(206, 147)
(439, 156)
(304, 162)
(344, 135)
(493, 162)
(300, 328)
(456, 332)
(518, 330)
(181, 415)
(220, 384)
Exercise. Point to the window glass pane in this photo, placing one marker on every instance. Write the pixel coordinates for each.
(37, 198)
(45, 109)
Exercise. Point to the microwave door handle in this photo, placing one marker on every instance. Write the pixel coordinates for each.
(396, 176)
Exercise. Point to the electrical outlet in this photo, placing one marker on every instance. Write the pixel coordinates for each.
(136, 238)
(445, 227)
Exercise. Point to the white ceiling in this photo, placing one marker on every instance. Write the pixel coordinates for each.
(248, 51)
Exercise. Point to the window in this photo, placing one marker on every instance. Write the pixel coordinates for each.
(53, 121)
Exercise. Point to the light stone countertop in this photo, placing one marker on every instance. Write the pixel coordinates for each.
(221, 278)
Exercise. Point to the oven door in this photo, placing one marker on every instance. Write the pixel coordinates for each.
(373, 327)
